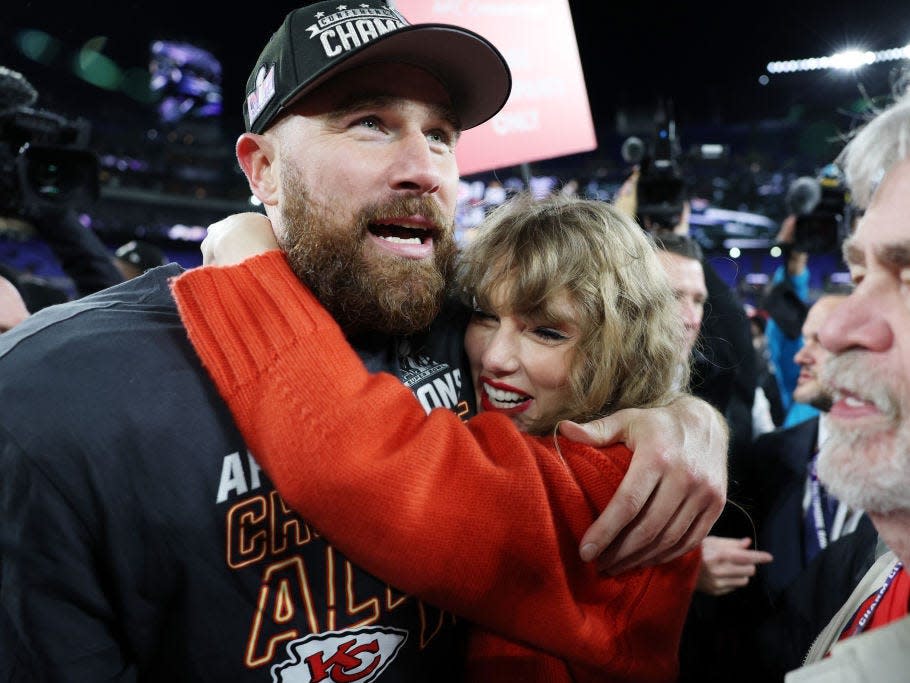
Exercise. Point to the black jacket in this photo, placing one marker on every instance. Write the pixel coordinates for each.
(140, 541)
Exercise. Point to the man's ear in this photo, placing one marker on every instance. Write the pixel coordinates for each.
(257, 157)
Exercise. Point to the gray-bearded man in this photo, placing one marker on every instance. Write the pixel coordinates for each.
(865, 461)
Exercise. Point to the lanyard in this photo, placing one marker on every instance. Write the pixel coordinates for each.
(821, 529)
(863, 621)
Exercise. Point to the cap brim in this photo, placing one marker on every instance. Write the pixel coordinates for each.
(472, 70)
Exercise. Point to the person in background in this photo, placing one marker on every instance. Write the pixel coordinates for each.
(865, 459)
(135, 257)
(50, 216)
(139, 536)
(799, 522)
(681, 259)
(12, 307)
(724, 372)
(768, 410)
(797, 517)
(787, 303)
(572, 319)
(727, 563)
(81, 254)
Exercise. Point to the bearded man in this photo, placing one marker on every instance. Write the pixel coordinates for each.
(140, 539)
(865, 460)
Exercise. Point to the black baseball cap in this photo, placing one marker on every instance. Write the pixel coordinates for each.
(322, 39)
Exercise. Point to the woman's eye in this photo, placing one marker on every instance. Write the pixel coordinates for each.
(550, 334)
(481, 315)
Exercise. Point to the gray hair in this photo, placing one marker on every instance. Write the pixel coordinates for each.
(875, 148)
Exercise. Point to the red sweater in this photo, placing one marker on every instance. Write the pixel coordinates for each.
(476, 518)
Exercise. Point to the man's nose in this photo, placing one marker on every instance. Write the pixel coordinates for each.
(857, 324)
(415, 167)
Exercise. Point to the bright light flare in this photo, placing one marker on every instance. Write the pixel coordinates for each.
(846, 60)
(850, 60)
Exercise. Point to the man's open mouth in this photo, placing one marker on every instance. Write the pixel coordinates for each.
(401, 234)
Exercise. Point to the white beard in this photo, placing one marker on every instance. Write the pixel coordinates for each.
(867, 468)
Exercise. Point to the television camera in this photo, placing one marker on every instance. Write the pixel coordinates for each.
(662, 190)
(44, 157)
(822, 209)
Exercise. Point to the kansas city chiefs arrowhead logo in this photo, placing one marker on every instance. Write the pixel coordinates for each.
(351, 656)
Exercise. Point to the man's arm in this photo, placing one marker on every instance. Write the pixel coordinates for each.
(674, 490)
(354, 452)
(81, 253)
(672, 494)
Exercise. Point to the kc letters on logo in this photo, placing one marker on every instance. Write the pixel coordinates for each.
(350, 656)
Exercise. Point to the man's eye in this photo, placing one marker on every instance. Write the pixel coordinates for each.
(370, 122)
(441, 137)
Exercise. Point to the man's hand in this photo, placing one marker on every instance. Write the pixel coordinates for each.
(727, 564)
(237, 238)
(675, 488)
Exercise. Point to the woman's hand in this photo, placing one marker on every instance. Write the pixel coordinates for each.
(237, 238)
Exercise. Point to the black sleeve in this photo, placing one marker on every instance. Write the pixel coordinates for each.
(81, 253)
(55, 614)
(807, 605)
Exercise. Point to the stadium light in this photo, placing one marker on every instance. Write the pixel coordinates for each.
(846, 60)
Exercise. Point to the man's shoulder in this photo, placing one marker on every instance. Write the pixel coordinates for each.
(136, 304)
(94, 345)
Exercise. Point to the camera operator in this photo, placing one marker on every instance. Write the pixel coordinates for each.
(45, 174)
(724, 372)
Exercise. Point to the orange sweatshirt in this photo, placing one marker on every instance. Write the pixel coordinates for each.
(476, 518)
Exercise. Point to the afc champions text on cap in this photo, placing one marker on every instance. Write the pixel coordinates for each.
(318, 41)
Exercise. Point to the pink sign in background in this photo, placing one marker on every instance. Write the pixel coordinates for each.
(548, 114)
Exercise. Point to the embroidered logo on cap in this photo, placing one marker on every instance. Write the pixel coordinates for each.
(347, 29)
(264, 92)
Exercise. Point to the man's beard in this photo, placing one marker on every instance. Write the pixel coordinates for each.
(867, 468)
(364, 290)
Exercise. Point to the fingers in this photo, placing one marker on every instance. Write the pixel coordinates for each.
(633, 494)
(727, 564)
(602, 432)
(677, 517)
(670, 497)
(723, 586)
(696, 531)
(646, 542)
(714, 584)
(719, 549)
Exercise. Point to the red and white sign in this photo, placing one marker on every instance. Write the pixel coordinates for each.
(548, 114)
